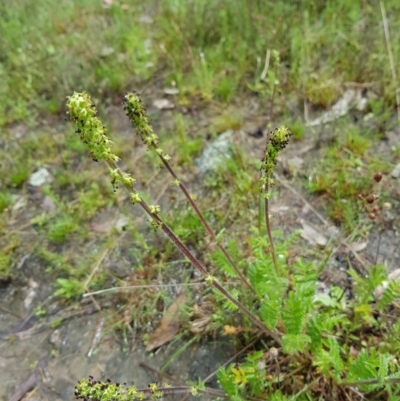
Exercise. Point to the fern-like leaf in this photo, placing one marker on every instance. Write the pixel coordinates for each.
(292, 343)
(228, 305)
(223, 264)
(330, 361)
(391, 293)
(366, 366)
(271, 308)
(365, 286)
(294, 314)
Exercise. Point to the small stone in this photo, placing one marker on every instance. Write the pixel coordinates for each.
(40, 177)
(215, 153)
(396, 171)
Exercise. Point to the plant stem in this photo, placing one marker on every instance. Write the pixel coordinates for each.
(195, 262)
(138, 117)
(207, 226)
(268, 226)
(277, 140)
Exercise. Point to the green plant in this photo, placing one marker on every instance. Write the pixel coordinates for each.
(324, 337)
(61, 227)
(68, 288)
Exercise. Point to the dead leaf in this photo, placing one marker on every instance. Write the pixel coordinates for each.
(20, 202)
(200, 325)
(106, 51)
(31, 382)
(279, 209)
(169, 325)
(121, 222)
(396, 171)
(358, 246)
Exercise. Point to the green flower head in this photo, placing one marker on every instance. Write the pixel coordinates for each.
(92, 132)
(278, 140)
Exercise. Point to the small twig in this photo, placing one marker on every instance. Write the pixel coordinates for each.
(392, 380)
(160, 375)
(391, 59)
(378, 247)
(137, 287)
(96, 337)
(303, 199)
(10, 312)
(95, 268)
(347, 396)
(266, 65)
(361, 84)
(354, 390)
(271, 104)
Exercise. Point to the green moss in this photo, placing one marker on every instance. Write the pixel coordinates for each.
(61, 227)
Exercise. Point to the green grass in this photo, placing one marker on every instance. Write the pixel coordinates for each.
(211, 49)
(214, 51)
(347, 171)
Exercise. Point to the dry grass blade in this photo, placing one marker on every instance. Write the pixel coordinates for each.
(391, 59)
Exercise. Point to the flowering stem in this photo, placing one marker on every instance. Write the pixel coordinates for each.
(159, 223)
(93, 134)
(138, 117)
(277, 140)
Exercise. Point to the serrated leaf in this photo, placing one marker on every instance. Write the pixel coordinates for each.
(330, 361)
(223, 264)
(391, 293)
(292, 343)
(270, 310)
(294, 314)
(364, 367)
